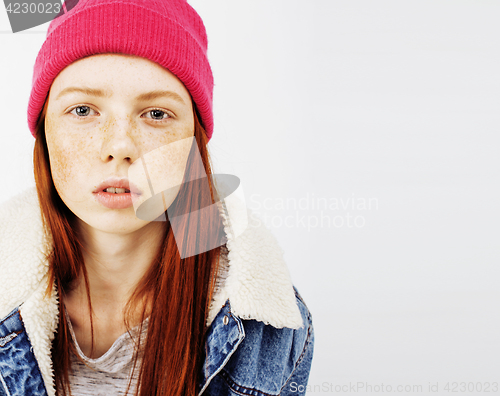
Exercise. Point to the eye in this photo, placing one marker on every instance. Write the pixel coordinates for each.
(81, 111)
(157, 115)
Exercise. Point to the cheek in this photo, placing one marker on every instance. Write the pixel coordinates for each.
(160, 171)
(173, 134)
(70, 162)
(151, 141)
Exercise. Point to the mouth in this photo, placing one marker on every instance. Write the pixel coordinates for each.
(116, 190)
(114, 185)
(116, 193)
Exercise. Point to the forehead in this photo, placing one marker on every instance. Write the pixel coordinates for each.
(118, 74)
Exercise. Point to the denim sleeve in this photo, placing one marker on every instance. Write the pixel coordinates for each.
(297, 383)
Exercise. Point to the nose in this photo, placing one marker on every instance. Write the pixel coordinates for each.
(119, 140)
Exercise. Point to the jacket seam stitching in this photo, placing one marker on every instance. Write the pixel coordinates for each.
(205, 385)
(227, 378)
(300, 298)
(10, 334)
(299, 360)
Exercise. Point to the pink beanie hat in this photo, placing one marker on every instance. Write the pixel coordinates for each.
(168, 32)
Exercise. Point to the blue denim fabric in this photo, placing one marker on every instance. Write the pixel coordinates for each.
(247, 357)
(242, 357)
(19, 372)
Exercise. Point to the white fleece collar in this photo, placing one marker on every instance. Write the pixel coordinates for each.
(254, 278)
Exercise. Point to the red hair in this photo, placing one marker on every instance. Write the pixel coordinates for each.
(173, 352)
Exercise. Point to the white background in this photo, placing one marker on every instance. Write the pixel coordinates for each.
(394, 104)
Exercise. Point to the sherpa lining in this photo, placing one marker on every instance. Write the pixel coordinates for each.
(23, 280)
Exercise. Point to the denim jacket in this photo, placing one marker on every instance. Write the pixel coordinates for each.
(260, 337)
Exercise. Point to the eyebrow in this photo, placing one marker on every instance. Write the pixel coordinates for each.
(102, 94)
(86, 91)
(159, 94)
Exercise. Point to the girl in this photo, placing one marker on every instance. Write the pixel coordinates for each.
(128, 269)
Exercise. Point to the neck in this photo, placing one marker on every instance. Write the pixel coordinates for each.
(116, 263)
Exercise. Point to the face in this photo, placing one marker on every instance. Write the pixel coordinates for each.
(105, 112)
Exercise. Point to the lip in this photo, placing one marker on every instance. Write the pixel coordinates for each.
(116, 201)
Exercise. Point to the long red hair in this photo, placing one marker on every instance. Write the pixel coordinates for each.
(181, 289)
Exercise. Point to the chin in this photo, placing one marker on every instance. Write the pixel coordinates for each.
(115, 222)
